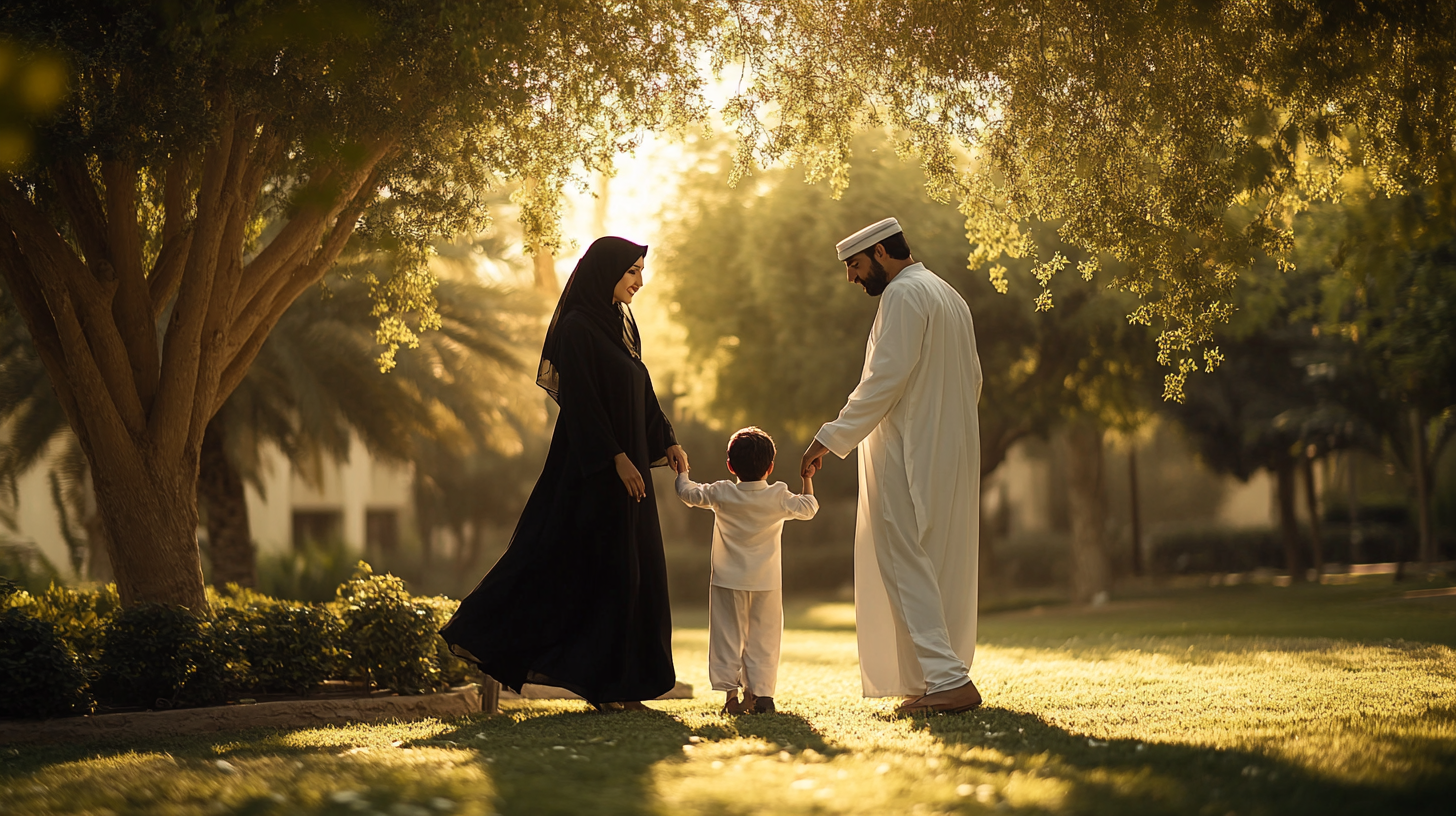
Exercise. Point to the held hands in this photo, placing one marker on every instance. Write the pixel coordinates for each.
(627, 472)
(677, 459)
(813, 459)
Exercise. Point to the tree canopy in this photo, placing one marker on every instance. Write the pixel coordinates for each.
(1177, 137)
(1169, 143)
(189, 126)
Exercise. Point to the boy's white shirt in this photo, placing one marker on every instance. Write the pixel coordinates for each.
(748, 528)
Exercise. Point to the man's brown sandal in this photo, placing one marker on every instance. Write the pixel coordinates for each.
(735, 706)
(951, 701)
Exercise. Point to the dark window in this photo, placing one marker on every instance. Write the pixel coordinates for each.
(381, 531)
(316, 527)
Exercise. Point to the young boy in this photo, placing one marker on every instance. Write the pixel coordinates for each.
(745, 600)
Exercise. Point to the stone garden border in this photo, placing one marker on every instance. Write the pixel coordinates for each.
(456, 702)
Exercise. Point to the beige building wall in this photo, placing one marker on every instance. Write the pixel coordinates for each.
(351, 490)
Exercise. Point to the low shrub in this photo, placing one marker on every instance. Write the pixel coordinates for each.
(390, 637)
(454, 671)
(42, 677)
(311, 573)
(80, 617)
(160, 656)
(277, 646)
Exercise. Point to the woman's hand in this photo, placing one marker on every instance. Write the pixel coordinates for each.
(627, 472)
(677, 459)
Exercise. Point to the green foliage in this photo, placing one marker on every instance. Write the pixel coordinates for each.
(776, 334)
(1178, 138)
(453, 670)
(157, 655)
(457, 96)
(310, 573)
(391, 637)
(42, 677)
(79, 615)
(26, 566)
(277, 646)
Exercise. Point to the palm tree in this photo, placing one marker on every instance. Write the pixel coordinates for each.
(315, 382)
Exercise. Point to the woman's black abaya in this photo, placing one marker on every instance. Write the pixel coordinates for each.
(579, 600)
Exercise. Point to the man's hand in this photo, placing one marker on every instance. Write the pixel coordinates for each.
(813, 459)
(631, 478)
(677, 459)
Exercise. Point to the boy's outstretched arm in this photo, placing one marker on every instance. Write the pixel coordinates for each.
(803, 506)
(691, 493)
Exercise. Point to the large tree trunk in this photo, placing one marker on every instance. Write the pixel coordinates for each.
(149, 509)
(1357, 535)
(92, 299)
(1311, 504)
(1426, 554)
(1288, 523)
(1136, 511)
(987, 566)
(222, 496)
(1087, 495)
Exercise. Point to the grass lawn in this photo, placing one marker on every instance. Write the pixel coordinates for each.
(1246, 700)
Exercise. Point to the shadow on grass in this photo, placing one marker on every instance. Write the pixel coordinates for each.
(574, 761)
(1132, 777)
(784, 730)
(537, 760)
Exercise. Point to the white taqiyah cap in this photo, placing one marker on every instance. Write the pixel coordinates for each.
(867, 237)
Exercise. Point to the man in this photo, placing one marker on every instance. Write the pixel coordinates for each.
(913, 418)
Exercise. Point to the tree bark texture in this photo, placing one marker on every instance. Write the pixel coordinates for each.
(1357, 535)
(91, 302)
(1311, 504)
(222, 496)
(1426, 553)
(987, 567)
(1087, 499)
(1136, 511)
(1284, 476)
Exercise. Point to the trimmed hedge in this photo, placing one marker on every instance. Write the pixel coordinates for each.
(278, 647)
(390, 638)
(42, 677)
(60, 648)
(160, 656)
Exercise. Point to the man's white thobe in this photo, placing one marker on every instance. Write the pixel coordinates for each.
(913, 418)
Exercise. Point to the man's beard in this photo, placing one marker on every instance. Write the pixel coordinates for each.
(875, 282)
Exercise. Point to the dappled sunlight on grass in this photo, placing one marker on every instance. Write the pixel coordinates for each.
(1122, 710)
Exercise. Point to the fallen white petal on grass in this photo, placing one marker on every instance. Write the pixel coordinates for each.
(225, 766)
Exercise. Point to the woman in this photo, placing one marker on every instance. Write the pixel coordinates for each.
(579, 600)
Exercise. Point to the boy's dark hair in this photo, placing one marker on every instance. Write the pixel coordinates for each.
(895, 247)
(750, 453)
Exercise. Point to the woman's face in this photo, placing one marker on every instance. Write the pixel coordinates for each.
(629, 284)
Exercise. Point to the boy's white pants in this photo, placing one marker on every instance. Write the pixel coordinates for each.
(745, 628)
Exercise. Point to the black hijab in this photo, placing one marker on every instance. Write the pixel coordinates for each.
(589, 291)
